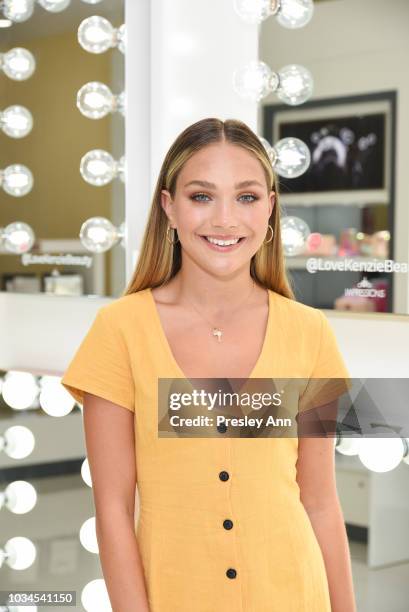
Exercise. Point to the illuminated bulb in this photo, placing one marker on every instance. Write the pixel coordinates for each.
(95, 100)
(289, 13)
(94, 596)
(16, 121)
(98, 167)
(18, 10)
(16, 180)
(91, 1)
(21, 553)
(54, 6)
(295, 84)
(295, 13)
(406, 455)
(254, 80)
(98, 234)
(18, 63)
(121, 38)
(88, 536)
(294, 233)
(266, 145)
(291, 157)
(20, 389)
(382, 454)
(86, 473)
(96, 35)
(19, 497)
(347, 445)
(253, 11)
(54, 398)
(18, 442)
(18, 237)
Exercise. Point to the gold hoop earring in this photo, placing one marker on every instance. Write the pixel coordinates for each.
(272, 234)
(167, 235)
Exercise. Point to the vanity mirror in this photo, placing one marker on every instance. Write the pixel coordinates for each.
(346, 224)
(62, 196)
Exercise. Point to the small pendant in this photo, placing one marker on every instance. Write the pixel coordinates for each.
(218, 333)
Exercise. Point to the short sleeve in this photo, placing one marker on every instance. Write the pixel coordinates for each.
(329, 378)
(101, 365)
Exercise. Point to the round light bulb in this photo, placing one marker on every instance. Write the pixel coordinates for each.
(94, 596)
(295, 13)
(253, 11)
(88, 536)
(16, 121)
(293, 157)
(270, 150)
(20, 497)
(86, 472)
(254, 80)
(16, 180)
(18, 64)
(98, 234)
(294, 233)
(98, 167)
(20, 390)
(95, 100)
(295, 84)
(54, 6)
(54, 398)
(121, 38)
(21, 553)
(347, 446)
(19, 442)
(381, 454)
(96, 34)
(18, 10)
(18, 237)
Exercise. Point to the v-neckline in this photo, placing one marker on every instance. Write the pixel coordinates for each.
(165, 343)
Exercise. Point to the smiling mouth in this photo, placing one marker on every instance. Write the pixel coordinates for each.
(223, 242)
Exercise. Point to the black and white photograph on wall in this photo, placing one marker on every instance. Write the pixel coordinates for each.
(350, 141)
(346, 153)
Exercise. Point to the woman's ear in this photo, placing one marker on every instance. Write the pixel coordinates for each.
(166, 203)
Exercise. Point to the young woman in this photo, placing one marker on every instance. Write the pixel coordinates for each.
(222, 524)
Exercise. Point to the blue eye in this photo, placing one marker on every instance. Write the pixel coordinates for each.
(249, 195)
(196, 195)
(200, 197)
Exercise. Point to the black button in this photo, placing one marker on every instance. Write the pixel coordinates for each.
(231, 573)
(227, 524)
(222, 428)
(223, 475)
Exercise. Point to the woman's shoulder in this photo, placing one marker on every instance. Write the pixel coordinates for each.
(124, 309)
(294, 312)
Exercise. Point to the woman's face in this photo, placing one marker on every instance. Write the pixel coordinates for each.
(221, 194)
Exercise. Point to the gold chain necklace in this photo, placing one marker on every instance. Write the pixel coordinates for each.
(217, 331)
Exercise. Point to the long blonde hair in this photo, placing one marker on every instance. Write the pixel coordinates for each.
(159, 260)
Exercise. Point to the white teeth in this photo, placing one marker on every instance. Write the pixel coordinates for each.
(222, 242)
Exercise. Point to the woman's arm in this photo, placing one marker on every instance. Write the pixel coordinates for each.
(109, 436)
(316, 479)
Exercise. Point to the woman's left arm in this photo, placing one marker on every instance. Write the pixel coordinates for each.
(318, 492)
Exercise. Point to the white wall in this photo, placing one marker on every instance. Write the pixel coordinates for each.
(179, 66)
(356, 47)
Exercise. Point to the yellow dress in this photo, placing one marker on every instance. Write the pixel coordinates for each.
(221, 527)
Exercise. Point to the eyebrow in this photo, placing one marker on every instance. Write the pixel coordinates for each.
(213, 186)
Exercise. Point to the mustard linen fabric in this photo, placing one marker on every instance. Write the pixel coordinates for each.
(268, 559)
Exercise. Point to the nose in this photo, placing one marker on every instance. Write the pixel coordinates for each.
(223, 214)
